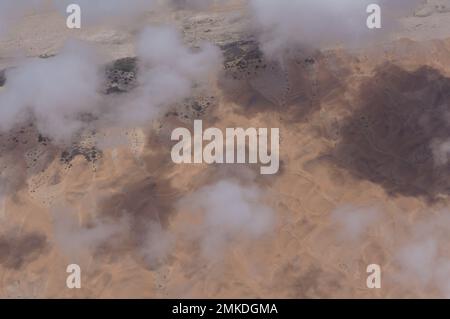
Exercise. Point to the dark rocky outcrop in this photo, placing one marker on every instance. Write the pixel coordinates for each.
(121, 75)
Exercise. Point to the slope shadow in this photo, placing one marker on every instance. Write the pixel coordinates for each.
(391, 138)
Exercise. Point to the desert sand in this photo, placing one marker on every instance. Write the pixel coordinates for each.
(357, 128)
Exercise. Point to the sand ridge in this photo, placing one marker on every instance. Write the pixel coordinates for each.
(356, 129)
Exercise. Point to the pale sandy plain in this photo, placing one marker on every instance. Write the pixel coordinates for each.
(352, 134)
